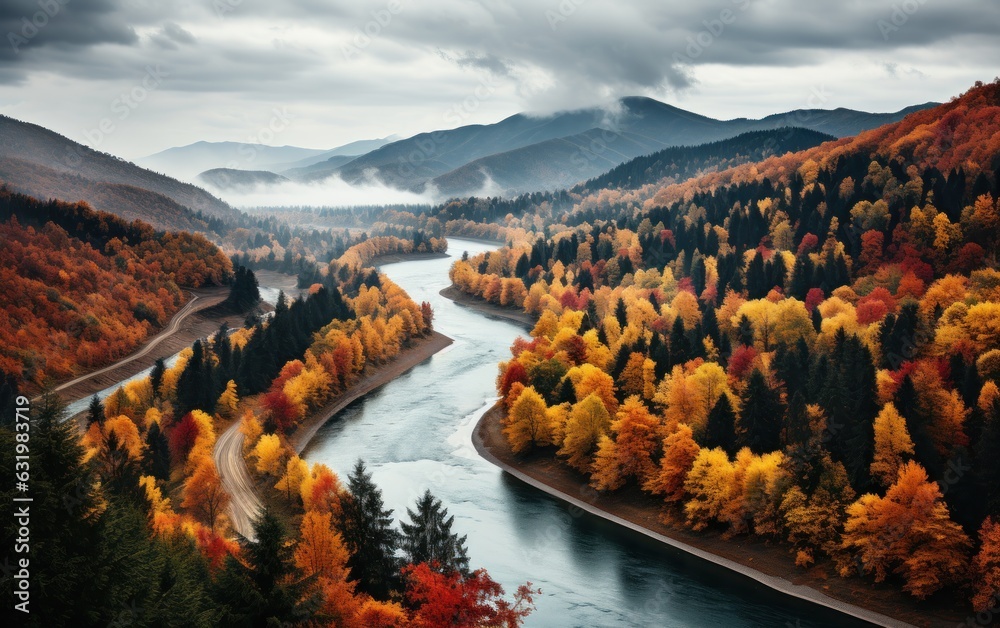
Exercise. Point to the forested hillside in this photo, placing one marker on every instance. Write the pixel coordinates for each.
(804, 349)
(83, 288)
(325, 552)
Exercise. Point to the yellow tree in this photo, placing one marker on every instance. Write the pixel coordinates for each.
(127, 434)
(892, 442)
(630, 454)
(588, 379)
(684, 400)
(320, 551)
(588, 421)
(709, 484)
(251, 429)
(907, 532)
(269, 454)
(226, 405)
(203, 493)
(679, 453)
(527, 424)
(296, 471)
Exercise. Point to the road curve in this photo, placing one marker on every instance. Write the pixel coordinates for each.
(236, 480)
(170, 330)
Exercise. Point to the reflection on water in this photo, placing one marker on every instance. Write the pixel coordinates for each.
(414, 433)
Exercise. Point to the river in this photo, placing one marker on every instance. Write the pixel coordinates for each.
(415, 434)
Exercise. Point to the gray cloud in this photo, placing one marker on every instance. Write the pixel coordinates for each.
(375, 67)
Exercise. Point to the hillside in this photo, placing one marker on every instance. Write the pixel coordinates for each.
(567, 161)
(38, 161)
(225, 179)
(801, 350)
(527, 153)
(82, 287)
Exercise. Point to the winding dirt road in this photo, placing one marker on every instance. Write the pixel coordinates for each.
(171, 329)
(243, 501)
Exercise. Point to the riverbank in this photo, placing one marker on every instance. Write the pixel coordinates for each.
(420, 350)
(467, 300)
(765, 563)
(394, 258)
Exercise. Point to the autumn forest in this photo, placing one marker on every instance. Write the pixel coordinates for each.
(777, 346)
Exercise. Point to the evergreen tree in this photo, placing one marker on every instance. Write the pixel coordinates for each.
(262, 589)
(680, 346)
(760, 419)
(95, 411)
(428, 537)
(744, 331)
(369, 535)
(924, 451)
(156, 461)
(621, 314)
(156, 375)
(720, 430)
(65, 531)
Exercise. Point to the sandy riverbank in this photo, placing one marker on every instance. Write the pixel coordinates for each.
(381, 375)
(484, 307)
(769, 564)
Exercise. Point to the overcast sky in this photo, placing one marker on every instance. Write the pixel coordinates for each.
(321, 73)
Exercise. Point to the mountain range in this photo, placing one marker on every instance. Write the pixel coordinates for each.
(520, 153)
(44, 164)
(527, 152)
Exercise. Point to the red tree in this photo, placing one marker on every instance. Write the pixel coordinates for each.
(447, 601)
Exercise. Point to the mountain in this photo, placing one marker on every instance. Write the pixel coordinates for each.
(525, 152)
(684, 162)
(958, 141)
(44, 164)
(327, 166)
(225, 179)
(350, 150)
(187, 161)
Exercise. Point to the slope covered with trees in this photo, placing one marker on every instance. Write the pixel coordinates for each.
(804, 349)
(82, 287)
(327, 554)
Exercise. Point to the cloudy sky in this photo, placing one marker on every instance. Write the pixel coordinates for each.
(161, 73)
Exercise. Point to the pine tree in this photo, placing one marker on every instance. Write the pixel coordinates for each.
(157, 456)
(65, 532)
(156, 375)
(369, 535)
(95, 411)
(720, 430)
(744, 331)
(428, 537)
(760, 418)
(261, 589)
(680, 346)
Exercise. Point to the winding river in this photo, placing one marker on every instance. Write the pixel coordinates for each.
(415, 434)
